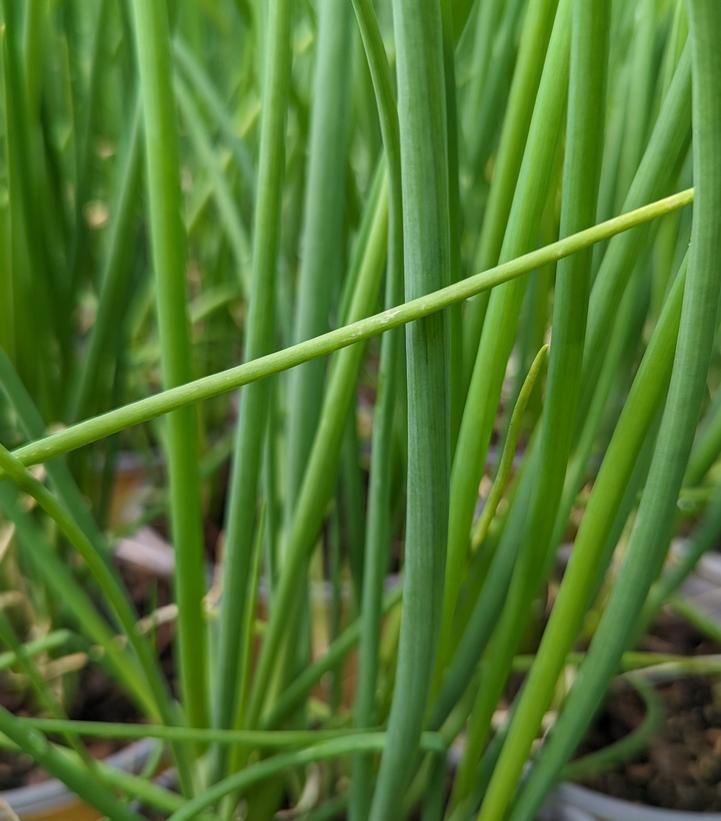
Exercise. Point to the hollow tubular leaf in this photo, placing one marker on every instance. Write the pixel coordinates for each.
(501, 322)
(537, 26)
(143, 410)
(241, 513)
(323, 233)
(427, 260)
(168, 246)
(378, 533)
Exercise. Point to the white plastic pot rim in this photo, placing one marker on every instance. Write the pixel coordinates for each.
(574, 803)
(54, 795)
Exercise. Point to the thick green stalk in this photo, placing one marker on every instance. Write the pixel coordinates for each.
(535, 35)
(489, 23)
(21, 149)
(427, 259)
(677, 36)
(168, 246)
(495, 97)
(85, 113)
(241, 514)
(378, 532)
(642, 78)
(457, 389)
(499, 329)
(32, 49)
(322, 260)
(615, 119)
(699, 315)
(358, 330)
(584, 142)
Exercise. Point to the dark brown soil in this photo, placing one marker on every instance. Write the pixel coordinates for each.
(681, 767)
(96, 698)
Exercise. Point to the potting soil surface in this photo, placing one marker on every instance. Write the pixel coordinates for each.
(681, 767)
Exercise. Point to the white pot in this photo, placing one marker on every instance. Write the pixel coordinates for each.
(573, 803)
(52, 799)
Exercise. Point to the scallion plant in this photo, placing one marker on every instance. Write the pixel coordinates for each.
(389, 304)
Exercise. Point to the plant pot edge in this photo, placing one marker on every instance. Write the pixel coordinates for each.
(572, 802)
(53, 796)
